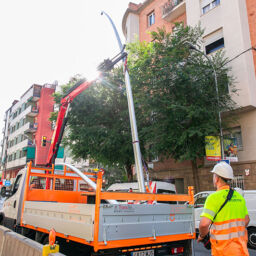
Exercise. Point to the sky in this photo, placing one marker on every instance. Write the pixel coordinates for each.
(47, 40)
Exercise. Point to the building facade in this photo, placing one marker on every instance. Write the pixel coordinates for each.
(237, 38)
(26, 121)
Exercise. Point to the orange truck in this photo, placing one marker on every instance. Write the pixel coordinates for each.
(42, 199)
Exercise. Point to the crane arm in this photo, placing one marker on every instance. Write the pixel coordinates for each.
(79, 87)
(62, 118)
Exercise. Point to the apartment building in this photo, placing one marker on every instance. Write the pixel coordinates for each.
(229, 25)
(26, 121)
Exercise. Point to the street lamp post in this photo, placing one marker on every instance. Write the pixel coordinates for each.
(217, 94)
(135, 138)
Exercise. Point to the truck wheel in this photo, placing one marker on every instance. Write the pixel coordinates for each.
(29, 233)
(188, 248)
(45, 239)
(252, 238)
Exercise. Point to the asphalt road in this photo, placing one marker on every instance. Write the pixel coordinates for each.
(201, 251)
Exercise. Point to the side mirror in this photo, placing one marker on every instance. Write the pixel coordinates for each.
(3, 192)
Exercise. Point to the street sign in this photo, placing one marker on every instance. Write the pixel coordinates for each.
(7, 183)
(225, 160)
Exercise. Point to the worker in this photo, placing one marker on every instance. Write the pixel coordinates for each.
(228, 234)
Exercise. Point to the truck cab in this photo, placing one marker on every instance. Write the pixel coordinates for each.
(11, 209)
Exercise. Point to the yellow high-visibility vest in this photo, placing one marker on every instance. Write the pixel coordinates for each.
(228, 231)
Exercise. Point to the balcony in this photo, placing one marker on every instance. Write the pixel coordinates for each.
(32, 94)
(172, 9)
(30, 128)
(33, 111)
(17, 163)
(35, 96)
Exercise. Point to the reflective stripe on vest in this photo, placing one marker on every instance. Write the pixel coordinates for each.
(210, 212)
(228, 236)
(228, 229)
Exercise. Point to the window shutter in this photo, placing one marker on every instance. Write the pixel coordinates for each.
(213, 37)
(205, 2)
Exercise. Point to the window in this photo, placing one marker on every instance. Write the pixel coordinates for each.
(23, 106)
(215, 3)
(16, 184)
(9, 158)
(151, 19)
(214, 46)
(206, 9)
(207, 5)
(214, 41)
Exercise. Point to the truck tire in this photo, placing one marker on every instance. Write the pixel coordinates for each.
(39, 237)
(188, 248)
(252, 238)
(1, 218)
(29, 233)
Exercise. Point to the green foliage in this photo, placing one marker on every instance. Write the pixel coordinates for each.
(176, 88)
(99, 124)
(175, 103)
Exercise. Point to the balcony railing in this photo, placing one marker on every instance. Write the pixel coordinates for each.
(30, 128)
(33, 111)
(35, 96)
(173, 9)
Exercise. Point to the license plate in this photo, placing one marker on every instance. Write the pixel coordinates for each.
(144, 253)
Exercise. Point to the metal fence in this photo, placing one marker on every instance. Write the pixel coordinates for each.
(238, 182)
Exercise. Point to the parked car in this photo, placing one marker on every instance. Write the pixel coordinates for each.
(158, 187)
(250, 199)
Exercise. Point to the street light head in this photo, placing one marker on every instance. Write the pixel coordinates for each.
(105, 66)
(108, 64)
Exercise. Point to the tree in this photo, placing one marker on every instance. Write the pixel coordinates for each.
(176, 88)
(175, 104)
(99, 124)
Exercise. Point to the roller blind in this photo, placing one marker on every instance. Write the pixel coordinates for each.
(210, 38)
(205, 2)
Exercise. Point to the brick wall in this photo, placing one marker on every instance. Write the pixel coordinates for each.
(251, 11)
(155, 6)
(205, 179)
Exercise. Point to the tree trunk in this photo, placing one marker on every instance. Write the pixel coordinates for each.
(128, 168)
(195, 176)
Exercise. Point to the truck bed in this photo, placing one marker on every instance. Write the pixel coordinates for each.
(116, 222)
(57, 200)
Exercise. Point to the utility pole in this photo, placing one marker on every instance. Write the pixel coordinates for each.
(135, 138)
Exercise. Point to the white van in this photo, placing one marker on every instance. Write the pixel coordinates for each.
(159, 187)
(250, 199)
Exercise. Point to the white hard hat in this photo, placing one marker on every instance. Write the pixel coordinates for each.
(224, 170)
